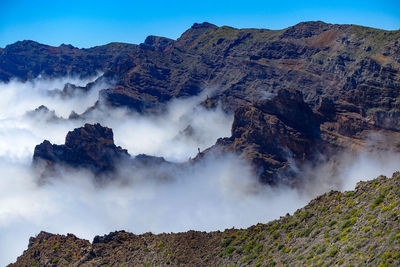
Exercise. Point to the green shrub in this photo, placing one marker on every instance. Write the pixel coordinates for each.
(332, 223)
(230, 250)
(333, 252)
(349, 249)
(378, 200)
(348, 223)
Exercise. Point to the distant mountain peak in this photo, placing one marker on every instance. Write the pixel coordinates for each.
(204, 25)
(156, 42)
(306, 29)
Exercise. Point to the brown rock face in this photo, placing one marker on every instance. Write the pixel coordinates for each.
(277, 135)
(352, 63)
(348, 75)
(91, 146)
(269, 133)
(28, 59)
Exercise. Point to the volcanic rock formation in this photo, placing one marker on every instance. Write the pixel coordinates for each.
(91, 146)
(276, 134)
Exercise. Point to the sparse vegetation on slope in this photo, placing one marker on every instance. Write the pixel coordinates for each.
(354, 228)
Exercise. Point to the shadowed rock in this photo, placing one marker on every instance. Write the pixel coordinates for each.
(269, 133)
(91, 146)
(277, 135)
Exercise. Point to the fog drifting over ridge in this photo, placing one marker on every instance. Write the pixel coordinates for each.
(216, 193)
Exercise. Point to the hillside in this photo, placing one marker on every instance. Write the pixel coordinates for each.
(352, 228)
(28, 59)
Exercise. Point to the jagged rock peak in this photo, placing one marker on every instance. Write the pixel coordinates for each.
(69, 46)
(156, 42)
(91, 146)
(90, 133)
(194, 32)
(204, 25)
(306, 29)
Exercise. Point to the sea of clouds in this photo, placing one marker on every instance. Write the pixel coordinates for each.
(215, 193)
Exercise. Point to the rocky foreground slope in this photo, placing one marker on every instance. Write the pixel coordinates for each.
(353, 228)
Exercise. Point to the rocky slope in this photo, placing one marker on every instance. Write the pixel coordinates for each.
(353, 228)
(275, 134)
(28, 59)
(346, 80)
(353, 64)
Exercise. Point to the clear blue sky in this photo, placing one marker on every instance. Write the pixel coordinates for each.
(89, 23)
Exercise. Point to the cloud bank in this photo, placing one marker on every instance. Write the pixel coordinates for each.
(216, 193)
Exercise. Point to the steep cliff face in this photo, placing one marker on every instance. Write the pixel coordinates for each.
(357, 227)
(337, 61)
(272, 132)
(355, 64)
(279, 134)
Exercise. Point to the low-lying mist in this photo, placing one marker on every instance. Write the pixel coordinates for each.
(215, 193)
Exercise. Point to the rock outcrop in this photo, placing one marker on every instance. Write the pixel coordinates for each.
(279, 134)
(43, 112)
(91, 146)
(273, 132)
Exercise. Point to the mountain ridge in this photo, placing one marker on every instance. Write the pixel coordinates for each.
(349, 75)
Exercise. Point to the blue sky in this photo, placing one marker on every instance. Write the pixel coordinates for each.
(89, 23)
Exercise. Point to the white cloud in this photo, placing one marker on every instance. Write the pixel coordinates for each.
(216, 193)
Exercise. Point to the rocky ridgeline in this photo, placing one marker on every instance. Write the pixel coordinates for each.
(271, 134)
(352, 228)
(356, 65)
(347, 81)
(347, 78)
